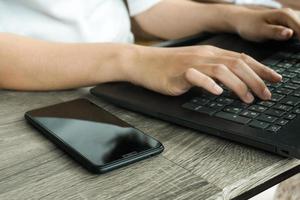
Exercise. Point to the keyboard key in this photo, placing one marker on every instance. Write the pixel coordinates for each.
(215, 105)
(292, 101)
(230, 109)
(208, 96)
(200, 101)
(283, 91)
(257, 108)
(190, 106)
(227, 93)
(290, 116)
(292, 69)
(283, 107)
(224, 100)
(259, 124)
(286, 64)
(267, 118)
(281, 65)
(266, 103)
(276, 113)
(296, 80)
(289, 74)
(274, 128)
(205, 110)
(233, 117)
(249, 114)
(291, 86)
(296, 111)
(239, 104)
(296, 94)
(282, 122)
(285, 80)
(279, 70)
(277, 97)
(276, 85)
(297, 70)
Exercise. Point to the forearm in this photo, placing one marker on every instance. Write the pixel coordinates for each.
(171, 19)
(28, 64)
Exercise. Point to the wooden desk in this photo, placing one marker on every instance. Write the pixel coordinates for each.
(193, 165)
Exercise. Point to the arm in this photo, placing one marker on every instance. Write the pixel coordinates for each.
(28, 64)
(172, 19)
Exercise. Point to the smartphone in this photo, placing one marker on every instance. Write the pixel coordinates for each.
(94, 137)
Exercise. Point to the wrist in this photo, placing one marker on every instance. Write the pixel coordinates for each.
(136, 59)
(143, 65)
(114, 62)
(225, 17)
(131, 61)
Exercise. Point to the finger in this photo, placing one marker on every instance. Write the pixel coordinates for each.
(199, 79)
(262, 70)
(247, 75)
(286, 17)
(229, 79)
(276, 32)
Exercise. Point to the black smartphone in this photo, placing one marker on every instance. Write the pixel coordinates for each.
(94, 137)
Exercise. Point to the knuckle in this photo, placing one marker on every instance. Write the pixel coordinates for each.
(245, 57)
(209, 49)
(237, 63)
(219, 69)
(286, 12)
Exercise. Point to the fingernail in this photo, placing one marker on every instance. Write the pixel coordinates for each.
(217, 89)
(276, 74)
(279, 76)
(249, 97)
(267, 94)
(285, 33)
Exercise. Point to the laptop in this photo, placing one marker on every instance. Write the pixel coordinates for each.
(272, 125)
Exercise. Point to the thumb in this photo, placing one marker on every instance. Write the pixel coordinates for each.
(277, 32)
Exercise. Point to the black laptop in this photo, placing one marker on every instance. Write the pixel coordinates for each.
(270, 125)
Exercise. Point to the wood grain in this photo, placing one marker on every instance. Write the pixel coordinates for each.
(193, 165)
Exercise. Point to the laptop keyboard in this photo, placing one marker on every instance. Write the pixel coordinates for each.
(269, 115)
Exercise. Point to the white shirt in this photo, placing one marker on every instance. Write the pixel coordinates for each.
(71, 20)
(266, 3)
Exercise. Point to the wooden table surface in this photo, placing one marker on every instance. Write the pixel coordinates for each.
(193, 166)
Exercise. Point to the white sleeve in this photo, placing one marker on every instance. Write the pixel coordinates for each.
(138, 6)
(266, 3)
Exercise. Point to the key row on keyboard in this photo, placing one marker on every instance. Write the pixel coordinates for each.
(267, 112)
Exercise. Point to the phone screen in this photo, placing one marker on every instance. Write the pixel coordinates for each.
(96, 134)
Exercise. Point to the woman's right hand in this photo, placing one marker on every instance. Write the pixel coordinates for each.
(173, 71)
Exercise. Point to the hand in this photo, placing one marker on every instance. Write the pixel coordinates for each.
(173, 71)
(259, 25)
